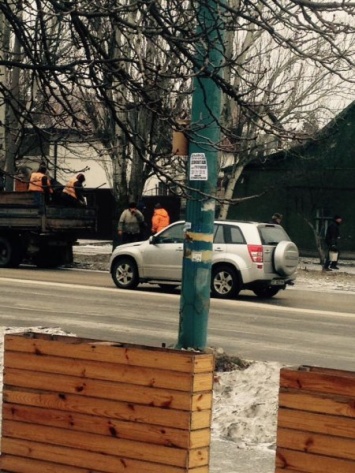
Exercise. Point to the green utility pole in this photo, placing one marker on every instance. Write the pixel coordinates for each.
(202, 179)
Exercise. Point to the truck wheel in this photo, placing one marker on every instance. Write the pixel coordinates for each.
(10, 253)
(125, 273)
(5, 253)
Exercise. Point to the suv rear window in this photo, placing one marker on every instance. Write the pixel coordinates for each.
(271, 235)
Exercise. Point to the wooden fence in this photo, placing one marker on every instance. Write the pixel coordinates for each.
(82, 406)
(316, 421)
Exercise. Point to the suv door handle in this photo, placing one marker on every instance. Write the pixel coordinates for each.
(218, 249)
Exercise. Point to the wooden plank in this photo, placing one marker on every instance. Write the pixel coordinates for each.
(290, 460)
(328, 445)
(111, 352)
(22, 223)
(104, 406)
(107, 445)
(143, 376)
(314, 422)
(69, 224)
(23, 213)
(317, 403)
(336, 382)
(19, 198)
(283, 470)
(63, 212)
(321, 370)
(167, 399)
(168, 436)
(10, 464)
(85, 459)
(111, 409)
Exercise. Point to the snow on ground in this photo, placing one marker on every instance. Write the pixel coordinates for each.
(245, 405)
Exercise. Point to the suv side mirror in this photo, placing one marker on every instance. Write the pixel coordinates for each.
(152, 240)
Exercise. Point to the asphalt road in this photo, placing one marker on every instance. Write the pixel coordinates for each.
(296, 327)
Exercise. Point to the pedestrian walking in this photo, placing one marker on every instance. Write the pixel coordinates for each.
(332, 237)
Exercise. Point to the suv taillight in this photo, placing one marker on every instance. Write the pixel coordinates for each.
(256, 253)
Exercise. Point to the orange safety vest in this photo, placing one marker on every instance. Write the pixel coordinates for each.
(160, 220)
(35, 183)
(70, 189)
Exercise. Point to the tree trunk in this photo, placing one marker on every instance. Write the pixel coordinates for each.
(12, 124)
(223, 213)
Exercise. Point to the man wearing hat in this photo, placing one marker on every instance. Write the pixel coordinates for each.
(129, 224)
(331, 240)
(276, 218)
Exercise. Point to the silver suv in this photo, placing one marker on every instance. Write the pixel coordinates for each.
(246, 255)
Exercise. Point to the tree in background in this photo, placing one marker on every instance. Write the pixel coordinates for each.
(119, 74)
(290, 82)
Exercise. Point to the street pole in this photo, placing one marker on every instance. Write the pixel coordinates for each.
(202, 180)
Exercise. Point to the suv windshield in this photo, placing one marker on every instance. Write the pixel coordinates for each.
(271, 235)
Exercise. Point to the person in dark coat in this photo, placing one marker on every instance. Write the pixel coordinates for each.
(331, 240)
(276, 218)
(129, 224)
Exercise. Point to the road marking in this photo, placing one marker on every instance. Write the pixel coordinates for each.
(63, 284)
(215, 303)
(276, 308)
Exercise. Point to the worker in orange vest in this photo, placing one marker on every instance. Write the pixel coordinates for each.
(160, 218)
(72, 193)
(40, 182)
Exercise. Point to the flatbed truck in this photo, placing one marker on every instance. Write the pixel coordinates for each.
(40, 233)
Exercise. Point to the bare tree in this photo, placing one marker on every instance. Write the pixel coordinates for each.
(121, 74)
(283, 88)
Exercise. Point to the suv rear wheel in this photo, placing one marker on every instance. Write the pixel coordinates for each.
(225, 282)
(125, 273)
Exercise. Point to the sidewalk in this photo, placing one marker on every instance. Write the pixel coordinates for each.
(312, 264)
(305, 262)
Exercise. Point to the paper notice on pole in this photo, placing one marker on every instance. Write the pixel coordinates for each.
(198, 167)
(196, 257)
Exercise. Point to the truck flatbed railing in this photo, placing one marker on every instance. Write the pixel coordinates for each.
(29, 210)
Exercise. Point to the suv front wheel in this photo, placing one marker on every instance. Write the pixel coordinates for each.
(125, 273)
(225, 282)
